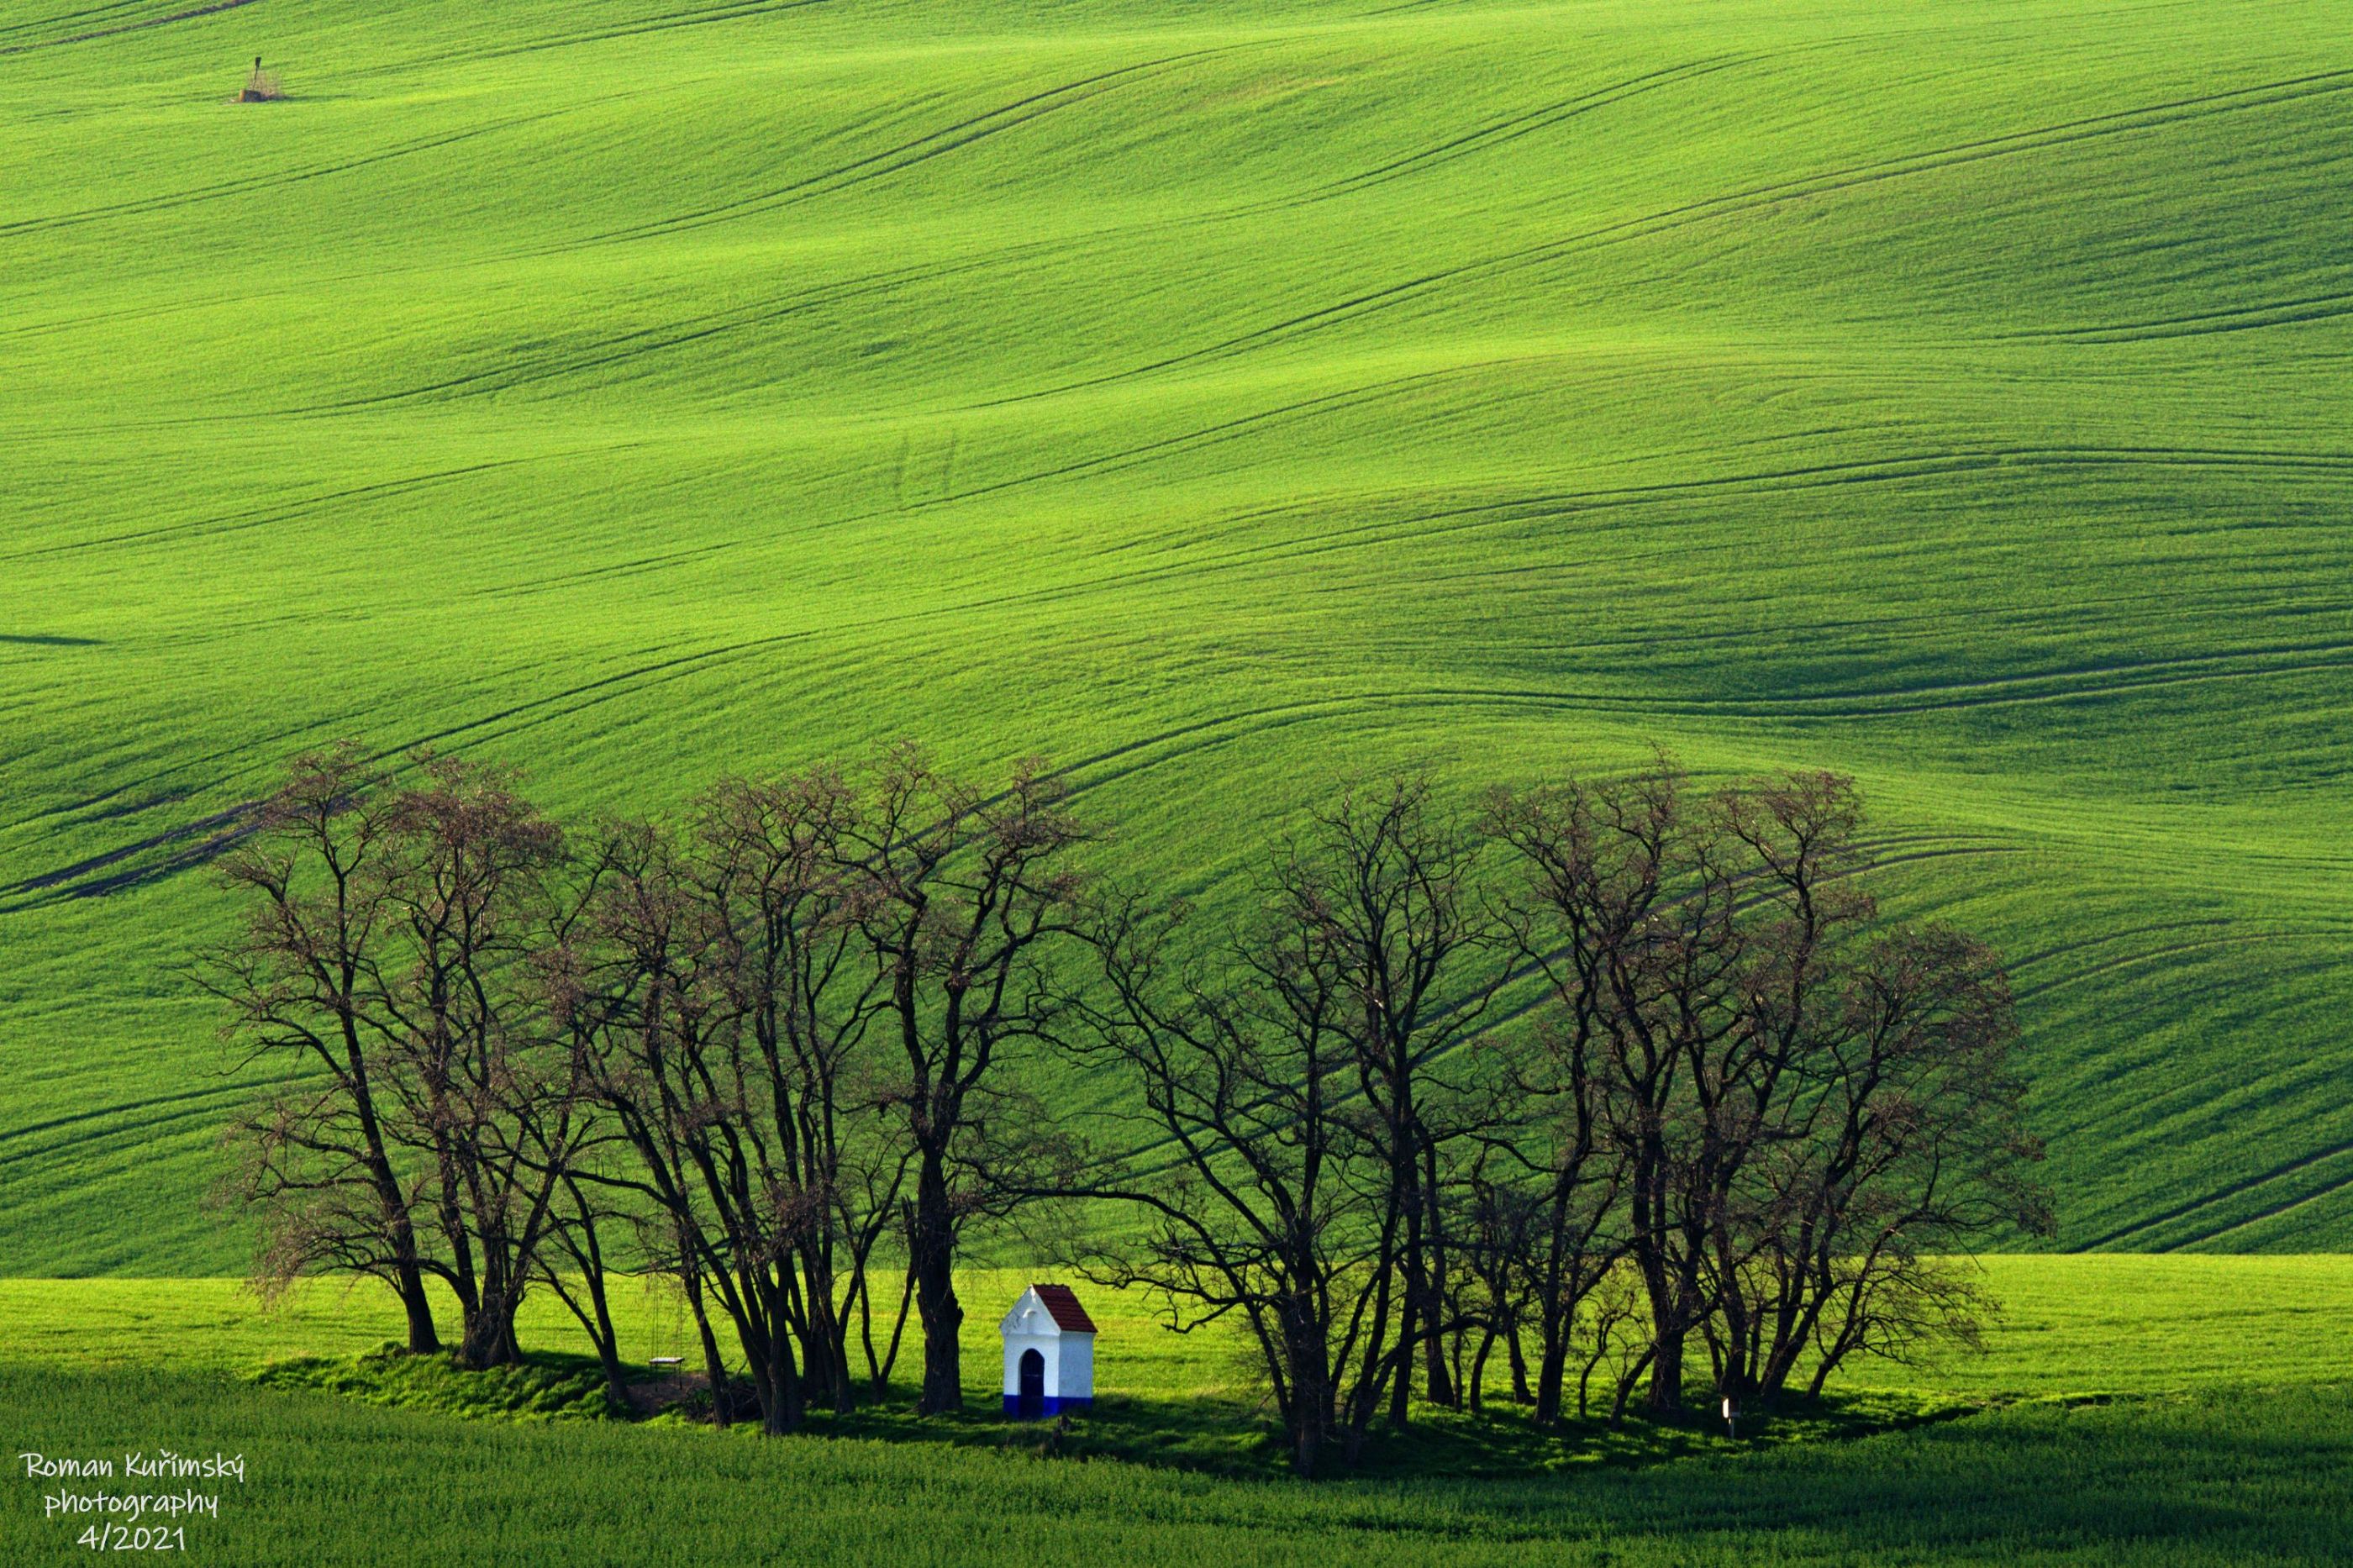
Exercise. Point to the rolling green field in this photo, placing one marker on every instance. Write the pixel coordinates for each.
(1222, 400)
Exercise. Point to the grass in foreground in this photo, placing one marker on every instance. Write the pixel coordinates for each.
(2212, 1432)
(2213, 1478)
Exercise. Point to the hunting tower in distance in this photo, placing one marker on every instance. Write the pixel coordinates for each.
(261, 86)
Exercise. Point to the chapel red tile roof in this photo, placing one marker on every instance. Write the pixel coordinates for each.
(1064, 1307)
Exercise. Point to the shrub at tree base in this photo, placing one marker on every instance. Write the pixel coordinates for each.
(527, 1391)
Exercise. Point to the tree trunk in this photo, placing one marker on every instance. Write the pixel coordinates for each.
(781, 1405)
(931, 1256)
(1667, 1372)
(1626, 1387)
(407, 1272)
(1551, 1373)
(1411, 1299)
(490, 1336)
(825, 1349)
(1310, 1413)
(424, 1339)
(589, 1253)
(714, 1370)
(608, 1342)
(1401, 1391)
(1439, 1378)
(880, 1370)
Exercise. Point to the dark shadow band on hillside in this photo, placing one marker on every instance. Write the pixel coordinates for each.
(30, 639)
(118, 869)
(140, 27)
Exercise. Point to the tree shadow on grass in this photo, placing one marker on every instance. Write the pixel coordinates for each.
(1215, 1436)
(1227, 1437)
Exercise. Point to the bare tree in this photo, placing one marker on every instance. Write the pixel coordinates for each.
(387, 942)
(1291, 1081)
(1911, 1148)
(1644, 951)
(332, 1189)
(1271, 1196)
(966, 895)
(577, 1265)
(1382, 887)
(785, 912)
(1490, 1287)
(453, 1009)
(1798, 1107)
(1546, 1190)
(670, 1062)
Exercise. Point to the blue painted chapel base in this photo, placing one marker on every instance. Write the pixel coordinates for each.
(1050, 1406)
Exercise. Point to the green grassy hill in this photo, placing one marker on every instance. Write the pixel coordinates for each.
(1222, 399)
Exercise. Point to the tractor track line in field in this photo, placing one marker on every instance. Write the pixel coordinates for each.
(214, 830)
(83, 17)
(2219, 1195)
(175, 795)
(905, 155)
(188, 16)
(1502, 132)
(668, 22)
(1905, 466)
(51, 222)
(2152, 955)
(200, 1126)
(143, 1131)
(628, 348)
(2239, 318)
(1708, 209)
(224, 828)
(1420, 527)
(1207, 435)
(281, 511)
(32, 1128)
(621, 347)
(2275, 1211)
(2084, 682)
(2044, 955)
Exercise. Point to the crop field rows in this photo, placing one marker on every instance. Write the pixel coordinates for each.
(1223, 403)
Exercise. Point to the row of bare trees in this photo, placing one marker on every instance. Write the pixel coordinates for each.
(1590, 1075)
(1662, 1076)
(743, 1052)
